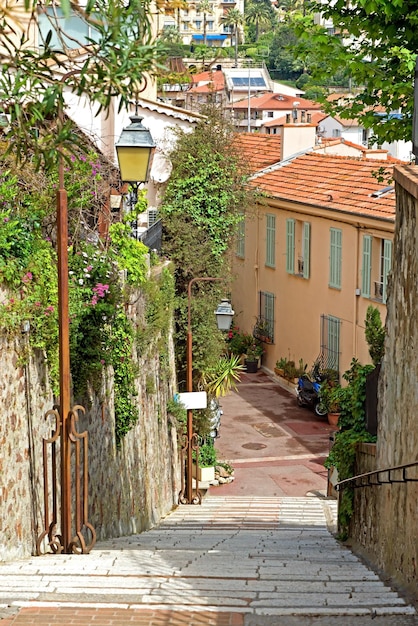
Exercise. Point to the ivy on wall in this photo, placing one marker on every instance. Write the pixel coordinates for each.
(102, 276)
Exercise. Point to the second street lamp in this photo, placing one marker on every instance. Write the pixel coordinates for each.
(224, 315)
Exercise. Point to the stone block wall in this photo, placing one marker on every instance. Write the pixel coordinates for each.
(385, 519)
(130, 489)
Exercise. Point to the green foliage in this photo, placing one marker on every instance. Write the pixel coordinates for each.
(332, 396)
(352, 431)
(131, 254)
(375, 334)
(202, 207)
(31, 89)
(100, 333)
(224, 376)
(238, 342)
(124, 371)
(207, 454)
(377, 52)
(179, 414)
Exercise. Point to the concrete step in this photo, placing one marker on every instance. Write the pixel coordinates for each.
(259, 556)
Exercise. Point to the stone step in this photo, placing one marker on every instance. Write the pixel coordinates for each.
(258, 556)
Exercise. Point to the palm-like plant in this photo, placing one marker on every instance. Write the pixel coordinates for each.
(258, 14)
(224, 376)
(205, 7)
(234, 18)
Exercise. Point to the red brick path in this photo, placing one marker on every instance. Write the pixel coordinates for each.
(119, 617)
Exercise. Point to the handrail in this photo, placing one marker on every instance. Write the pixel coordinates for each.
(366, 480)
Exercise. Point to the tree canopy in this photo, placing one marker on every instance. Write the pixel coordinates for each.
(110, 58)
(375, 41)
(203, 204)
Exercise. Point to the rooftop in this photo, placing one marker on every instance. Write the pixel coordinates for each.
(259, 150)
(332, 182)
(276, 102)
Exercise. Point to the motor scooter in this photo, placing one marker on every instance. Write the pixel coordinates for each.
(307, 393)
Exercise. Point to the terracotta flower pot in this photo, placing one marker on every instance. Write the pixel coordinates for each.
(333, 419)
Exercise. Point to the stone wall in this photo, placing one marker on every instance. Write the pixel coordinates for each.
(385, 520)
(130, 489)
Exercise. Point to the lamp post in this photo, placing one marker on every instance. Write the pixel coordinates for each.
(66, 416)
(224, 315)
(134, 150)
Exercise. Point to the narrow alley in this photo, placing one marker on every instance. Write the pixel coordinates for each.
(258, 551)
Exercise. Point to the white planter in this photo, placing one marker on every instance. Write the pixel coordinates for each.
(204, 474)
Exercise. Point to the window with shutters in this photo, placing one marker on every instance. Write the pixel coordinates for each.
(329, 357)
(298, 247)
(335, 258)
(376, 265)
(270, 240)
(264, 327)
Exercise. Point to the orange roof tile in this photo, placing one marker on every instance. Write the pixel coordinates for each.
(259, 150)
(210, 81)
(332, 182)
(275, 102)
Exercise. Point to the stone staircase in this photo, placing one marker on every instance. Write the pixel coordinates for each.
(249, 555)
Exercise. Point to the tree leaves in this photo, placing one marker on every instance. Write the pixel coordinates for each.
(113, 63)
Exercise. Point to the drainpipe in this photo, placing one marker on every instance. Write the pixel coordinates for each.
(357, 291)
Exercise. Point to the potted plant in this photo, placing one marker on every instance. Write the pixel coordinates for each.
(331, 397)
(280, 365)
(253, 356)
(206, 462)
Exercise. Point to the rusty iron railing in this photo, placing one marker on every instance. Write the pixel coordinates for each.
(187, 495)
(386, 476)
(50, 537)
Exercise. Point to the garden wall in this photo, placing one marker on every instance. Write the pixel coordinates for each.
(385, 518)
(130, 489)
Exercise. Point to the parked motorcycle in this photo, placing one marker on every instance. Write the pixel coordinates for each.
(307, 393)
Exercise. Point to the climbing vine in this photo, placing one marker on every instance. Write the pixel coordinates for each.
(352, 431)
(203, 204)
(102, 277)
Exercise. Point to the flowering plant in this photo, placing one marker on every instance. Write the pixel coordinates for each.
(254, 351)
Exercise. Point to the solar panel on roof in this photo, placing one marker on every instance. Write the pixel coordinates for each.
(242, 81)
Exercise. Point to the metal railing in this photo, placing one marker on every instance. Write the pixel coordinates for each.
(387, 476)
(152, 237)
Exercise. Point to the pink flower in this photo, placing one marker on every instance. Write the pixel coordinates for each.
(89, 268)
(27, 277)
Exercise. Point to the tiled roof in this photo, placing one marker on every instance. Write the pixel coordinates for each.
(205, 82)
(259, 150)
(331, 182)
(275, 102)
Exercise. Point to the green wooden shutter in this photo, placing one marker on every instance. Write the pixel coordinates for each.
(290, 246)
(387, 264)
(269, 313)
(335, 258)
(306, 250)
(271, 240)
(367, 266)
(240, 249)
(334, 342)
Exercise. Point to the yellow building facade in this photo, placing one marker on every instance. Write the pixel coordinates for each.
(312, 256)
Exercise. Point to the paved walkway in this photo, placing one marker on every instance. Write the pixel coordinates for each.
(242, 558)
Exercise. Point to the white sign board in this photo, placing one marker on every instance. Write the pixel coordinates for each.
(193, 399)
